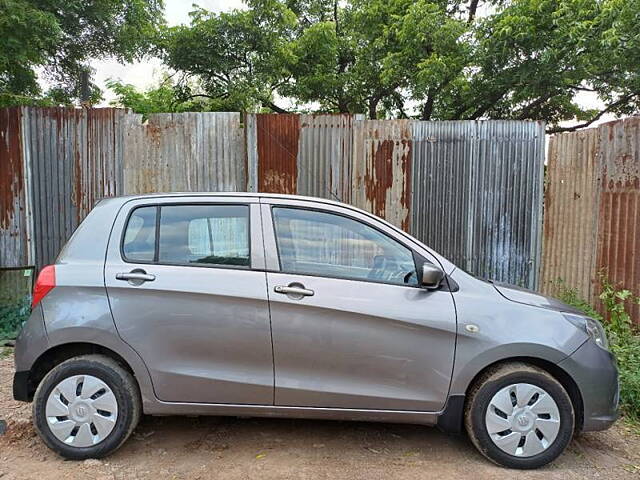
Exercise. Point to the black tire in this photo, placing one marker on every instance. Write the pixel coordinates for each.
(492, 382)
(121, 383)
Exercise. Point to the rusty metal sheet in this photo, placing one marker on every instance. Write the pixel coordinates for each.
(184, 152)
(277, 137)
(618, 252)
(14, 239)
(570, 220)
(381, 179)
(592, 215)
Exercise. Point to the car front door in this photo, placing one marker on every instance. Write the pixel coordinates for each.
(186, 283)
(351, 326)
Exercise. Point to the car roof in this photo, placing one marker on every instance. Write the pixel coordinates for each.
(126, 198)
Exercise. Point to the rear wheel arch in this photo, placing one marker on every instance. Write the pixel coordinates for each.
(59, 353)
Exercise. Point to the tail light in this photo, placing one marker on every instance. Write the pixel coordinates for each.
(44, 284)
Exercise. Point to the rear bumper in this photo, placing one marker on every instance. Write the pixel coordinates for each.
(21, 386)
(594, 371)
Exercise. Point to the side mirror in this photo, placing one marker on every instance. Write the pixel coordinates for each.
(431, 276)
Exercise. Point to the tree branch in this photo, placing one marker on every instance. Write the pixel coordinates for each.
(583, 89)
(595, 118)
(527, 109)
(274, 107)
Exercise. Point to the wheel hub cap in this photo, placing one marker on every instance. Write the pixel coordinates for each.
(81, 411)
(522, 420)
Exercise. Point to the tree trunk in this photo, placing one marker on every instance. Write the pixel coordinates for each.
(473, 8)
(373, 108)
(427, 108)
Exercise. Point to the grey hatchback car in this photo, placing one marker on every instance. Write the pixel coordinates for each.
(274, 305)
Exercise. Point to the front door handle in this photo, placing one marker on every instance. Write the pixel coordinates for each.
(296, 290)
(136, 276)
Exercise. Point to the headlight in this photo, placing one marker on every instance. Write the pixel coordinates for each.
(591, 327)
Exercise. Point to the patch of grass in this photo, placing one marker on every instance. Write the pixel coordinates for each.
(5, 352)
(624, 342)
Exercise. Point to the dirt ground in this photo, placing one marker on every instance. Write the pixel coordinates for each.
(240, 448)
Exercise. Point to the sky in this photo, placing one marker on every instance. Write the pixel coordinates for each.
(147, 72)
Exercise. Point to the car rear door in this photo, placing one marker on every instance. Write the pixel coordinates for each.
(351, 327)
(186, 284)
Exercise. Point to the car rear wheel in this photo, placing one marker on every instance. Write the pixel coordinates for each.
(519, 416)
(86, 407)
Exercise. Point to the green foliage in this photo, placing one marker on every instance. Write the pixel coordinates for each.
(624, 344)
(59, 38)
(623, 340)
(27, 33)
(430, 59)
(13, 313)
(164, 97)
(572, 297)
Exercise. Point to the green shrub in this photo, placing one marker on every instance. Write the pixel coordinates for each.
(13, 313)
(623, 340)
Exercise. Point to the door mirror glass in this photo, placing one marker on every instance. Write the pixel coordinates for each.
(431, 276)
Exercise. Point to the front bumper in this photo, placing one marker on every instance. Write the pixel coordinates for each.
(596, 375)
(21, 386)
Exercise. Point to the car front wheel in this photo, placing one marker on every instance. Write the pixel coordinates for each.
(86, 407)
(519, 416)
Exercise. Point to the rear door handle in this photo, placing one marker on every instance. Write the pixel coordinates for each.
(292, 290)
(136, 276)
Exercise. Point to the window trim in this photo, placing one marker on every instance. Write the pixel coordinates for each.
(340, 214)
(156, 260)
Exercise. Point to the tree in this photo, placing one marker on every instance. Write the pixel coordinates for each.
(61, 37)
(427, 59)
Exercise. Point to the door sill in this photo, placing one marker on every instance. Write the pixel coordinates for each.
(223, 409)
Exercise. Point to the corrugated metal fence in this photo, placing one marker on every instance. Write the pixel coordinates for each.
(592, 201)
(471, 190)
(186, 152)
(74, 158)
(478, 195)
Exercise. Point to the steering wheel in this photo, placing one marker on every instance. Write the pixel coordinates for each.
(387, 268)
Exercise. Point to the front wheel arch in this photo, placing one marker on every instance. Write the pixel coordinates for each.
(552, 369)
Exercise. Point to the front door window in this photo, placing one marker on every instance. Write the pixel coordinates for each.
(311, 242)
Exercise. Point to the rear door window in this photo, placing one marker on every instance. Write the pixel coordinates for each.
(189, 235)
(140, 236)
(204, 235)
